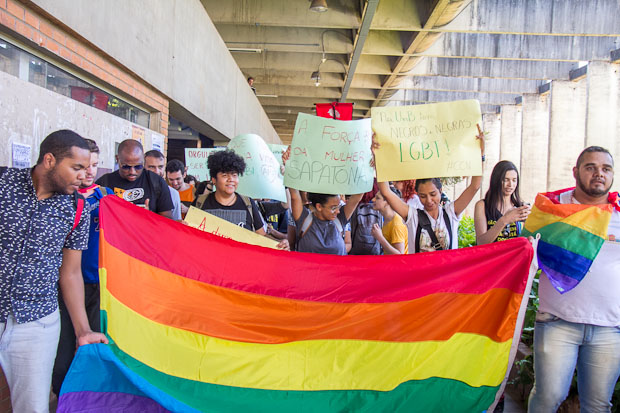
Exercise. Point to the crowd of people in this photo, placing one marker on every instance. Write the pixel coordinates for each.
(49, 223)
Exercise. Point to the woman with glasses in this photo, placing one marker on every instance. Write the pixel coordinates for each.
(321, 226)
(500, 215)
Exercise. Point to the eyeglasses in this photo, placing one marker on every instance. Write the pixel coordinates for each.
(130, 167)
(335, 208)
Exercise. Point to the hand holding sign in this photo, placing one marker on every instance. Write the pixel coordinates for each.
(427, 141)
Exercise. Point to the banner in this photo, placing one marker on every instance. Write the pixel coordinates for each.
(262, 177)
(196, 162)
(427, 141)
(201, 323)
(335, 110)
(330, 156)
(202, 220)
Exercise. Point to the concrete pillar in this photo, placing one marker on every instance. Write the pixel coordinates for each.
(492, 128)
(567, 127)
(510, 137)
(603, 104)
(534, 145)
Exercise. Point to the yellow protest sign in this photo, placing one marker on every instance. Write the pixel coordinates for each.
(206, 222)
(427, 141)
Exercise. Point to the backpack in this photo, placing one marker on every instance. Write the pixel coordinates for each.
(78, 201)
(363, 243)
(425, 223)
(310, 219)
(200, 201)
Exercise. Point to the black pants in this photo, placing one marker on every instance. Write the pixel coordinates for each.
(67, 343)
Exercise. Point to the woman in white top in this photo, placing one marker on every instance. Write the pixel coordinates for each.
(434, 227)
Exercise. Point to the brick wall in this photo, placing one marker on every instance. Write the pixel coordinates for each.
(35, 27)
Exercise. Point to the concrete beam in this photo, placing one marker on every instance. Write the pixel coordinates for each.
(522, 47)
(344, 15)
(499, 69)
(566, 17)
(603, 104)
(456, 84)
(567, 128)
(534, 146)
(492, 126)
(302, 102)
(449, 96)
(303, 62)
(316, 92)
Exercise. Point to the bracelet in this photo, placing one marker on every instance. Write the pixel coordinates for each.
(484, 158)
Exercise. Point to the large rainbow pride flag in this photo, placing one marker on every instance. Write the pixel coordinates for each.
(201, 323)
(571, 236)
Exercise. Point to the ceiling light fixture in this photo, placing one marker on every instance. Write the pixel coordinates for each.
(319, 6)
(244, 50)
(316, 76)
(266, 96)
(278, 120)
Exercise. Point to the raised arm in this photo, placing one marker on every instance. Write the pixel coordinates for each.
(296, 205)
(352, 202)
(398, 205)
(476, 181)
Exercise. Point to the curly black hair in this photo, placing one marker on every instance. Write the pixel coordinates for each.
(225, 161)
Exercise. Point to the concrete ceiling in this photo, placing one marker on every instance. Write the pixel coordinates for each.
(409, 51)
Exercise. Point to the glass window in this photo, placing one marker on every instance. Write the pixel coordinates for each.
(24, 65)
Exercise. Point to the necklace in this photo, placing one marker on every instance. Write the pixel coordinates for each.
(230, 202)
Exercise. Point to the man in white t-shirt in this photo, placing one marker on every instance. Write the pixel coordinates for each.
(581, 327)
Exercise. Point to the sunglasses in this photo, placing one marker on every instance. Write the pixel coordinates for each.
(130, 167)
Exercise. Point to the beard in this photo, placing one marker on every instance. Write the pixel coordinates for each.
(593, 192)
(56, 183)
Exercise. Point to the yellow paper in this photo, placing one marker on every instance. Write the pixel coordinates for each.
(206, 222)
(427, 141)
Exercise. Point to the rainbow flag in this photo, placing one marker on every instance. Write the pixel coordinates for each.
(571, 236)
(201, 323)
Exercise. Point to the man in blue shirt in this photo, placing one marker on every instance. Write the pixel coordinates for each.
(41, 241)
(90, 271)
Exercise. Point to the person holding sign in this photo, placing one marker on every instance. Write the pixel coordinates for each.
(434, 227)
(393, 236)
(225, 167)
(322, 229)
(500, 215)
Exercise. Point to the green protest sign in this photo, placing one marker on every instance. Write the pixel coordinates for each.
(277, 150)
(196, 162)
(262, 178)
(330, 156)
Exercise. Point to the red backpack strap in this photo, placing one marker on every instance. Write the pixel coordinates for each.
(78, 213)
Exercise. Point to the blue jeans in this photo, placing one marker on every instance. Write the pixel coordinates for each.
(27, 354)
(559, 346)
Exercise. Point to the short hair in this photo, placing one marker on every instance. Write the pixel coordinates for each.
(225, 161)
(315, 198)
(92, 145)
(60, 143)
(591, 149)
(129, 145)
(435, 181)
(154, 153)
(250, 78)
(175, 165)
(189, 178)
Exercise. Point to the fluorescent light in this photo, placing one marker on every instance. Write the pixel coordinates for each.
(278, 120)
(267, 96)
(244, 50)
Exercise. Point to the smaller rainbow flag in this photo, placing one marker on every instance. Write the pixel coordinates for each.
(571, 236)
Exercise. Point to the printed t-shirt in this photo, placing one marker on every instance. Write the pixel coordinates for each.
(596, 299)
(440, 227)
(395, 231)
(148, 185)
(321, 237)
(236, 213)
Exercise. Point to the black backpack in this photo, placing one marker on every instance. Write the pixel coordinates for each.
(425, 223)
(363, 243)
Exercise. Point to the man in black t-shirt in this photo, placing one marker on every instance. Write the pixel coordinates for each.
(135, 184)
(225, 167)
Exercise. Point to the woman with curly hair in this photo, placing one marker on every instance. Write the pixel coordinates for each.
(408, 193)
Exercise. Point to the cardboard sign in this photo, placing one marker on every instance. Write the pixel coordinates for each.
(427, 141)
(330, 156)
(196, 161)
(262, 178)
(204, 221)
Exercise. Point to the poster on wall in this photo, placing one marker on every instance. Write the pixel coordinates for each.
(157, 141)
(21, 155)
